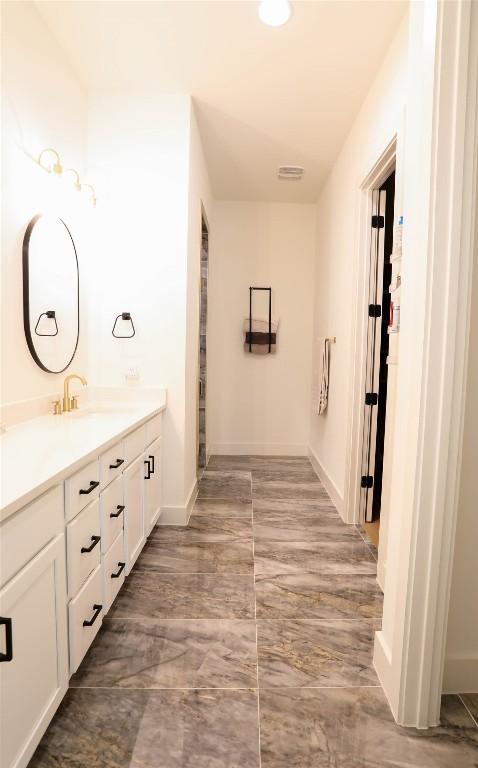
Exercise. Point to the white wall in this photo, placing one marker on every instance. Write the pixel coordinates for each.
(145, 153)
(461, 660)
(337, 249)
(43, 105)
(260, 404)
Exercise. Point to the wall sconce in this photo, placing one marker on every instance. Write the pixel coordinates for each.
(93, 196)
(56, 167)
(124, 316)
(77, 182)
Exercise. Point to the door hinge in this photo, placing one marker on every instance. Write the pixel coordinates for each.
(367, 481)
(378, 222)
(374, 310)
(371, 398)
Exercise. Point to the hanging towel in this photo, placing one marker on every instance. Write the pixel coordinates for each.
(257, 333)
(324, 379)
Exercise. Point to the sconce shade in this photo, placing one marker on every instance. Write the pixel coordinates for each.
(56, 167)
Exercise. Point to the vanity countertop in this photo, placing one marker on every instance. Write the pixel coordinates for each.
(37, 454)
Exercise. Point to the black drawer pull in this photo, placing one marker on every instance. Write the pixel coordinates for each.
(152, 463)
(119, 571)
(94, 542)
(8, 655)
(97, 610)
(117, 464)
(120, 508)
(93, 484)
(147, 477)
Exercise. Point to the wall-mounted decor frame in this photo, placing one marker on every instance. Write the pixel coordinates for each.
(249, 334)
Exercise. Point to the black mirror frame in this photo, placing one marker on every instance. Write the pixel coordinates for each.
(26, 295)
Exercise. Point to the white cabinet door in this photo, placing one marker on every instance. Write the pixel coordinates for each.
(133, 479)
(152, 486)
(35, 679)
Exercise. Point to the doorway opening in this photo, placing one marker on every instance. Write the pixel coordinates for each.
(376, 369)
(202, 369)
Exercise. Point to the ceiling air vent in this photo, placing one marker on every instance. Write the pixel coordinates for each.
(290, 172)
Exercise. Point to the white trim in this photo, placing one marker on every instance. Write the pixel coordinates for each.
(461, 674)
(440, 163)
(179, 515)
(258, 449)
(353, 461)
(328, 483)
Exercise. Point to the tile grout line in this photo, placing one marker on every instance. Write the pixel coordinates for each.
(255, 625)
(460, 696)
(121, 689)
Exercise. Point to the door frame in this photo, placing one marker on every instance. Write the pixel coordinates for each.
(387, 161)
(439, 207)
(373, 350)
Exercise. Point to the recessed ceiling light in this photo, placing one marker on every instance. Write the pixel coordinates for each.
(274, 13)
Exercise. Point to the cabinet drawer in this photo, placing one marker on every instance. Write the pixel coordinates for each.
(85, 614)
(27, 531)
(134, 444)
(112, 513)
(111, 464)
(113, 565)
(153, 429)
(81, 488)
(83, 536)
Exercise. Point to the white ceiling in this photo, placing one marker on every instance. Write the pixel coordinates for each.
(264, 96)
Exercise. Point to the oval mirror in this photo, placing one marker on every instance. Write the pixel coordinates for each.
(51, 309)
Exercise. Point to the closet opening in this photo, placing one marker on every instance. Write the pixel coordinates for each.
(375, 395)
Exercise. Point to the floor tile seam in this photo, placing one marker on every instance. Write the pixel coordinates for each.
(237, 539)
(256, 631)
(317, 687)
(359, 572)
(460, 696)
(241, 500)
(153, 620)
(258, 699)
(151, 688)
(193, 573)
(328, 544)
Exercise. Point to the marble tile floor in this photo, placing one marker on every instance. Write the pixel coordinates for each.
(245, 639)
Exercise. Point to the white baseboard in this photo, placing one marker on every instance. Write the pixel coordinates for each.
(179, 515)
(382, 662)
(329, 484)
(257, 449)
(461, 673)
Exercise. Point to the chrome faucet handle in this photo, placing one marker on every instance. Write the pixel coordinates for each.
(74, 402)
(57, 411)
